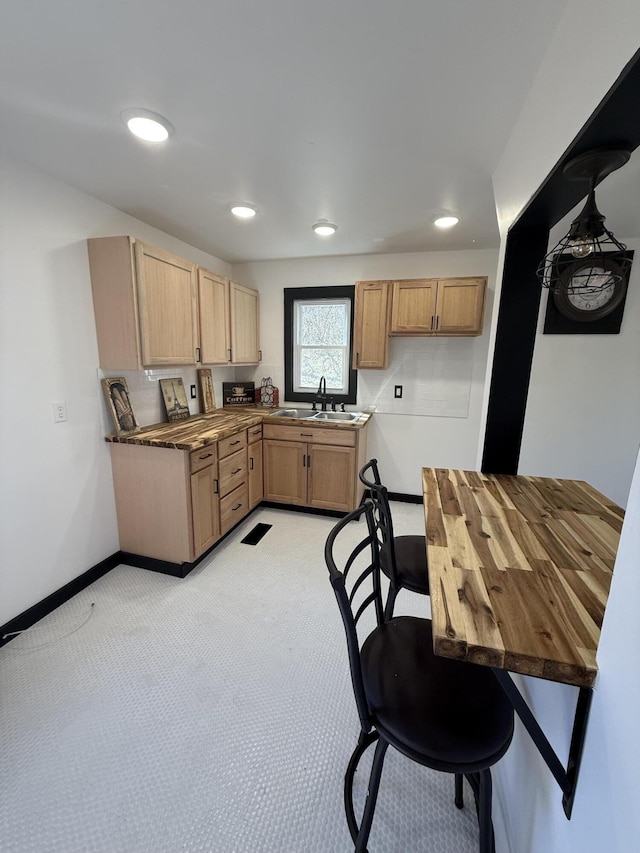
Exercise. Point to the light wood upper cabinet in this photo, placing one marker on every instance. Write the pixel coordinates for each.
(371, 325)
(413, 306)
(244, 305)
(460, 306)
(213, 297)
(155, 309)
(450, 306)
(145, 305)
(167, 301)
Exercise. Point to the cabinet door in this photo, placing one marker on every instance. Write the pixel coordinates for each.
(371, 325)
(213, 299)
(413, 307)
(256, 484)
(460, 306)
(206, 510)
(331, 476)
(285, 471)
(244, 324)
(167, 300)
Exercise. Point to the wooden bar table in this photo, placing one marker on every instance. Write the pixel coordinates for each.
(519, 573)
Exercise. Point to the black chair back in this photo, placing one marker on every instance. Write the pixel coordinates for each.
(379, 497)
(357, 588)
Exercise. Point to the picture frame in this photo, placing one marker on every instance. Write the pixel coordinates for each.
(207, 396)
(116, 394)
(175, 399)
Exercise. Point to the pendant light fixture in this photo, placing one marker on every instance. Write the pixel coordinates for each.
(589, 263)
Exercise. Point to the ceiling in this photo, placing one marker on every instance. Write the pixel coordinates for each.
(375, 115)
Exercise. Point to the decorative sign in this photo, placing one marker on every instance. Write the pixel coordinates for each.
(175, 399)
(207, 397)
(117, 396)
(238, 393)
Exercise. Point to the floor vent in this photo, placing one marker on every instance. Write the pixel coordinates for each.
(255, 535)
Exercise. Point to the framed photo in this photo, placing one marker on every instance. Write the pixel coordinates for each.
(207, 397)
(175, 399)
(117, 396)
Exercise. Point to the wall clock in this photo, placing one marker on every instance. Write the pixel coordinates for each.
(590, 288)
(571, 313)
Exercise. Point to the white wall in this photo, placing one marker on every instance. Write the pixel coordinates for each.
(57, 515)
(402, 442)
(529, 816)
(583, 412)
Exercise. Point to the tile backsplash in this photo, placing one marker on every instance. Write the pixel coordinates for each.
(146, 397)
(435, 375)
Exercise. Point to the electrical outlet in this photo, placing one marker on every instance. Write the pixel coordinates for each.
(59, 412)
(193, 392)
(397, 392)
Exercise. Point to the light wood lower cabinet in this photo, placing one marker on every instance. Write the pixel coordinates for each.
(234, 497)
(205, 501)
(173, 505)
(254, 459)
(312, 466)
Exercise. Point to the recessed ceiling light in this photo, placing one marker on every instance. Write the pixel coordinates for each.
(244, 210)
(446, 221)
(324, 228)
(147, 125)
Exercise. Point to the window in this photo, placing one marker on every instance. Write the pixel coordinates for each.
(318, 336)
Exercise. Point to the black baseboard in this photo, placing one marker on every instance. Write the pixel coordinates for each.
(177, 570)
(401, 497)
(405, 499)
(332, 513)
(47, 605)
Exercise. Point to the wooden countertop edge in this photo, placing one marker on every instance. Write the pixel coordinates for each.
(218, 425)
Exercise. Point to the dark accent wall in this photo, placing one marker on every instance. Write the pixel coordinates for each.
(615, 123)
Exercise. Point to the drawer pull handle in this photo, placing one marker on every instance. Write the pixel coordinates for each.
(237, 471)
(306, 433)
(308, 461)
(251, 464)
(206, 456)
(215, 487)
(237, 506)
(233, 443)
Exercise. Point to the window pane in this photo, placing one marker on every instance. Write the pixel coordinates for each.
(328, 362)
(322, 323)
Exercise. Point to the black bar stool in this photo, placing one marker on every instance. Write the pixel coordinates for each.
(444, 714)
(403, 559)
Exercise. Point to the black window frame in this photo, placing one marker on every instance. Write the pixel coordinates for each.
(291, 294)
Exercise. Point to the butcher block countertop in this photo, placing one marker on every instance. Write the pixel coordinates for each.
(199, 430)
(519, 570)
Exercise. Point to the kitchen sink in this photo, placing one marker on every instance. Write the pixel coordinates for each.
(336, 416)
(292, 413)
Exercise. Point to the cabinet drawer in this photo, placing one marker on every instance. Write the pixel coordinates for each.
(254, 433)
(315, 435)
(199, 459)
(235, 442)
(233, 507)
(232, 471)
